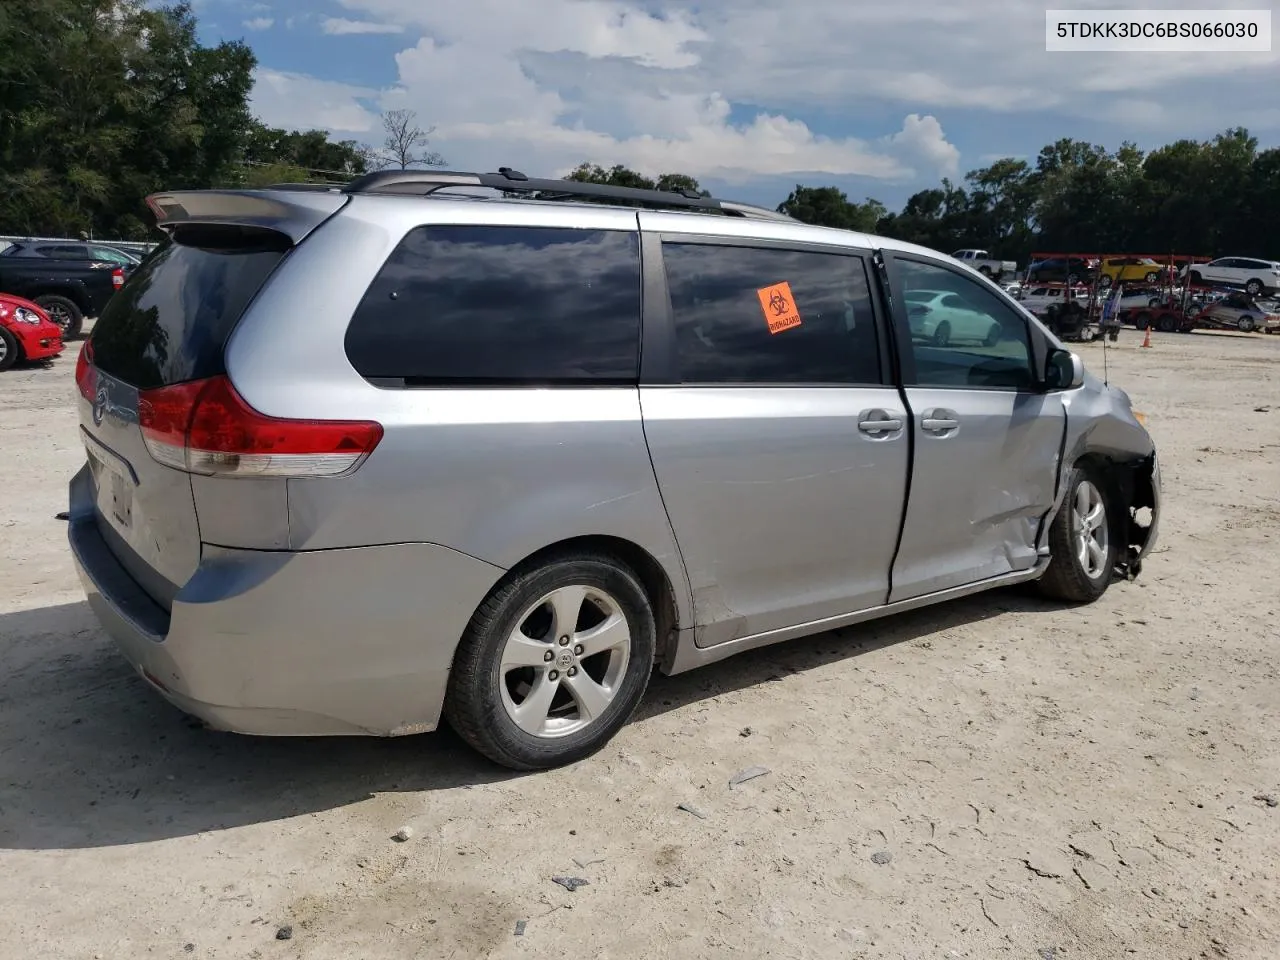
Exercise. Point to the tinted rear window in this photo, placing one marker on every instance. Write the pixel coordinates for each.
(170, 321)
(500, 305)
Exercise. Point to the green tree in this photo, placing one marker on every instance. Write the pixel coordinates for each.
(829, 207)
(105, 101)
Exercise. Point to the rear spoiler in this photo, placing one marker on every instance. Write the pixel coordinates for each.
(294, 213)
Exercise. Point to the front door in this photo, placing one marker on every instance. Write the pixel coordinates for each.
(987, 441)
(779, 445)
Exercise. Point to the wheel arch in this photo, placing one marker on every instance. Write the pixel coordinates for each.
(653, 576)
(1131, 482)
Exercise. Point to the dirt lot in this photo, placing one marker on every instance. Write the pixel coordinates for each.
(1045, 783)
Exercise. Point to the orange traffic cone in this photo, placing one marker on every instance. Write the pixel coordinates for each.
(1146, 341)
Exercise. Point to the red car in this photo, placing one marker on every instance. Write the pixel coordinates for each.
(26, 332)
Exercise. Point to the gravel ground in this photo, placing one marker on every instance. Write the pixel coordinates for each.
(993, 777)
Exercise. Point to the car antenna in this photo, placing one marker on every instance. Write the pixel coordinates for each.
(1110, 307)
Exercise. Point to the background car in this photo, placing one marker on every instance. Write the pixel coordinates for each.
(26, 332)
(1241, 311)
(62, 250)
(942, 317)
(1115, 270)
(1062, 270)
(1255, 276)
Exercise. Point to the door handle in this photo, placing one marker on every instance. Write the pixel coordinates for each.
(939, 421)
(877, 422)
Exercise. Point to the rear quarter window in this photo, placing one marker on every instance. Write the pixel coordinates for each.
(502, 305)
(171, 320)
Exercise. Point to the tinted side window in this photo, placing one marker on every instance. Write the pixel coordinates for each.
(968, 336)
(763, 315)
(483, 304)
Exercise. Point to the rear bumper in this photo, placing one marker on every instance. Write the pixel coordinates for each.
(355, 641)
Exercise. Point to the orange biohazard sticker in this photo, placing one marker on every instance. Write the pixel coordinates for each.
(779, 307)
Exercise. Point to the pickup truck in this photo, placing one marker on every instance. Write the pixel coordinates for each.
(67, 288)
(981, 261)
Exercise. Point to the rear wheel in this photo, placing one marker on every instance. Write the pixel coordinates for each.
(553, 663)
(1245, 324)
(1081, 544)
(1142, 319)
(1166, 324)
(993, 336)
(63, 312)
(1104, 281)
(1151, 277)
(8, 349)
(942, 335)
(1196, 279)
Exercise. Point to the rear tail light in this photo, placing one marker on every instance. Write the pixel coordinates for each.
(205, 427)
(86, 372)
(117, 278)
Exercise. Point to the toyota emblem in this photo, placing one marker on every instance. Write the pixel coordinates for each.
(99, 407)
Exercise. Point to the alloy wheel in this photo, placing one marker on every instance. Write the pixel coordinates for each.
(1089, 525)
(563, 664)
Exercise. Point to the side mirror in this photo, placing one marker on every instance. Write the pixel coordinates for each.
(1064, 370)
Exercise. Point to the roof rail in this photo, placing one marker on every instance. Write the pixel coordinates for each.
(513, 182)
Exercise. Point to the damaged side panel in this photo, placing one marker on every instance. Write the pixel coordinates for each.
(1102, 430)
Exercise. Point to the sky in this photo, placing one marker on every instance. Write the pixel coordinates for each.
(751, 97)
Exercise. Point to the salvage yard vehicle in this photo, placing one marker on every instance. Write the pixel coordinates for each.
(1238, 311)
(66, 287)
(982, 261)
(1254, 276)
(26, 332)
(942, 317)
(1115, 270)
(389, 453)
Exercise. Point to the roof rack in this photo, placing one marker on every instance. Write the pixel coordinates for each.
(513, 182)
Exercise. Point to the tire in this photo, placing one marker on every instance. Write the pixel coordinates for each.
(1166, 324)
(9, 349)
(481, 702)
(63, 312)
(1245, 324)
(942, 334)
(1196, 279)
(993, 336)
(1253, 287)
(1069, 578)
(1105, 281)
(1151, 277)
(985, 271)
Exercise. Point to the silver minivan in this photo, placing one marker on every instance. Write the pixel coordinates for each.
(492, 448)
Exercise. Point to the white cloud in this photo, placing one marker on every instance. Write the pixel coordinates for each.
(340, 26)
(299, 102)
(756, 88)
(259, 23)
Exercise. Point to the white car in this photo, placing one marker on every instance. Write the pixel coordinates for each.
(1038, 299)
(942, 317)
(1255, 276)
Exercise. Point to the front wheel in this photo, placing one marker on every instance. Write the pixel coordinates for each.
(1104, 281)
(1081, 544)
(1151, 277)
(553, 663)
(8, 349)
(1245, 324)
(1253, 287)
